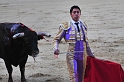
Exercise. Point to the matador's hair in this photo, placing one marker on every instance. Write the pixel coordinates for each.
(76, 7)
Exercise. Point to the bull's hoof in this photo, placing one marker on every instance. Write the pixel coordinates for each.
(23, 80)
(10, 80)
(0, 78)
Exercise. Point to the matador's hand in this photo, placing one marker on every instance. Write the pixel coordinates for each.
(56, 53)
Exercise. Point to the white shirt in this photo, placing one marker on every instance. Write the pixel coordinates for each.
(79, 24)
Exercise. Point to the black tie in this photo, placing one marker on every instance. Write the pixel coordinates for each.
(77, 27)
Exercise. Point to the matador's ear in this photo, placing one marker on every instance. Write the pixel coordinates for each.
(65, 25)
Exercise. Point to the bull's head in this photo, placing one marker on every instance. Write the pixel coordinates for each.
(31, 40)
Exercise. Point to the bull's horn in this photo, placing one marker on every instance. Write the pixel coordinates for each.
(18, 35)
(43, 34)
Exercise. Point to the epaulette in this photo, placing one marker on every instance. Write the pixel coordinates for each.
(85, 24)
(65, 25)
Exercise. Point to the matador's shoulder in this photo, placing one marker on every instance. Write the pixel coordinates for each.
(85, 24)
(65, 25)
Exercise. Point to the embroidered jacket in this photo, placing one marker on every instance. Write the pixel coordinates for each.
(71, 36)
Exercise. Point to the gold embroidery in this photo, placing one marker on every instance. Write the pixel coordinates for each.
(65, 25)
(84, 59)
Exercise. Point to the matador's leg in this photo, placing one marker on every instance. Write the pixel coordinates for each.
(80, 70)
(70, 64)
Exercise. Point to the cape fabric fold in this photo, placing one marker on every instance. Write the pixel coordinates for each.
(103, 71)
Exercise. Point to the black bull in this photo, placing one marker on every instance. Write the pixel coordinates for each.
(17, 41)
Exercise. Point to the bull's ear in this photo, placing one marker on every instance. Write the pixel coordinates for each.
(17, 35)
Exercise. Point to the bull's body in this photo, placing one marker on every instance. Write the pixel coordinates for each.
(14, 50)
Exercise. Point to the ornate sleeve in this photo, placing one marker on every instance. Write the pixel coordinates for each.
(88, 49)
(89, 52)
(61, 34)
(58, 37)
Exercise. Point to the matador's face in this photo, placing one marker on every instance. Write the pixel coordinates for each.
(75, 15)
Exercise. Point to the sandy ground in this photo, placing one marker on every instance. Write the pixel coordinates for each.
(105, 20)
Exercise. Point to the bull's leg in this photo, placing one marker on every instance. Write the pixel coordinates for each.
(9, 69)
(22, 70)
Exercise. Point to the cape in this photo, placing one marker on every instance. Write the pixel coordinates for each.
(103, 71)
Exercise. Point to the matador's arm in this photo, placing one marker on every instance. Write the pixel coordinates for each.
(62, 31)
(88, 50)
